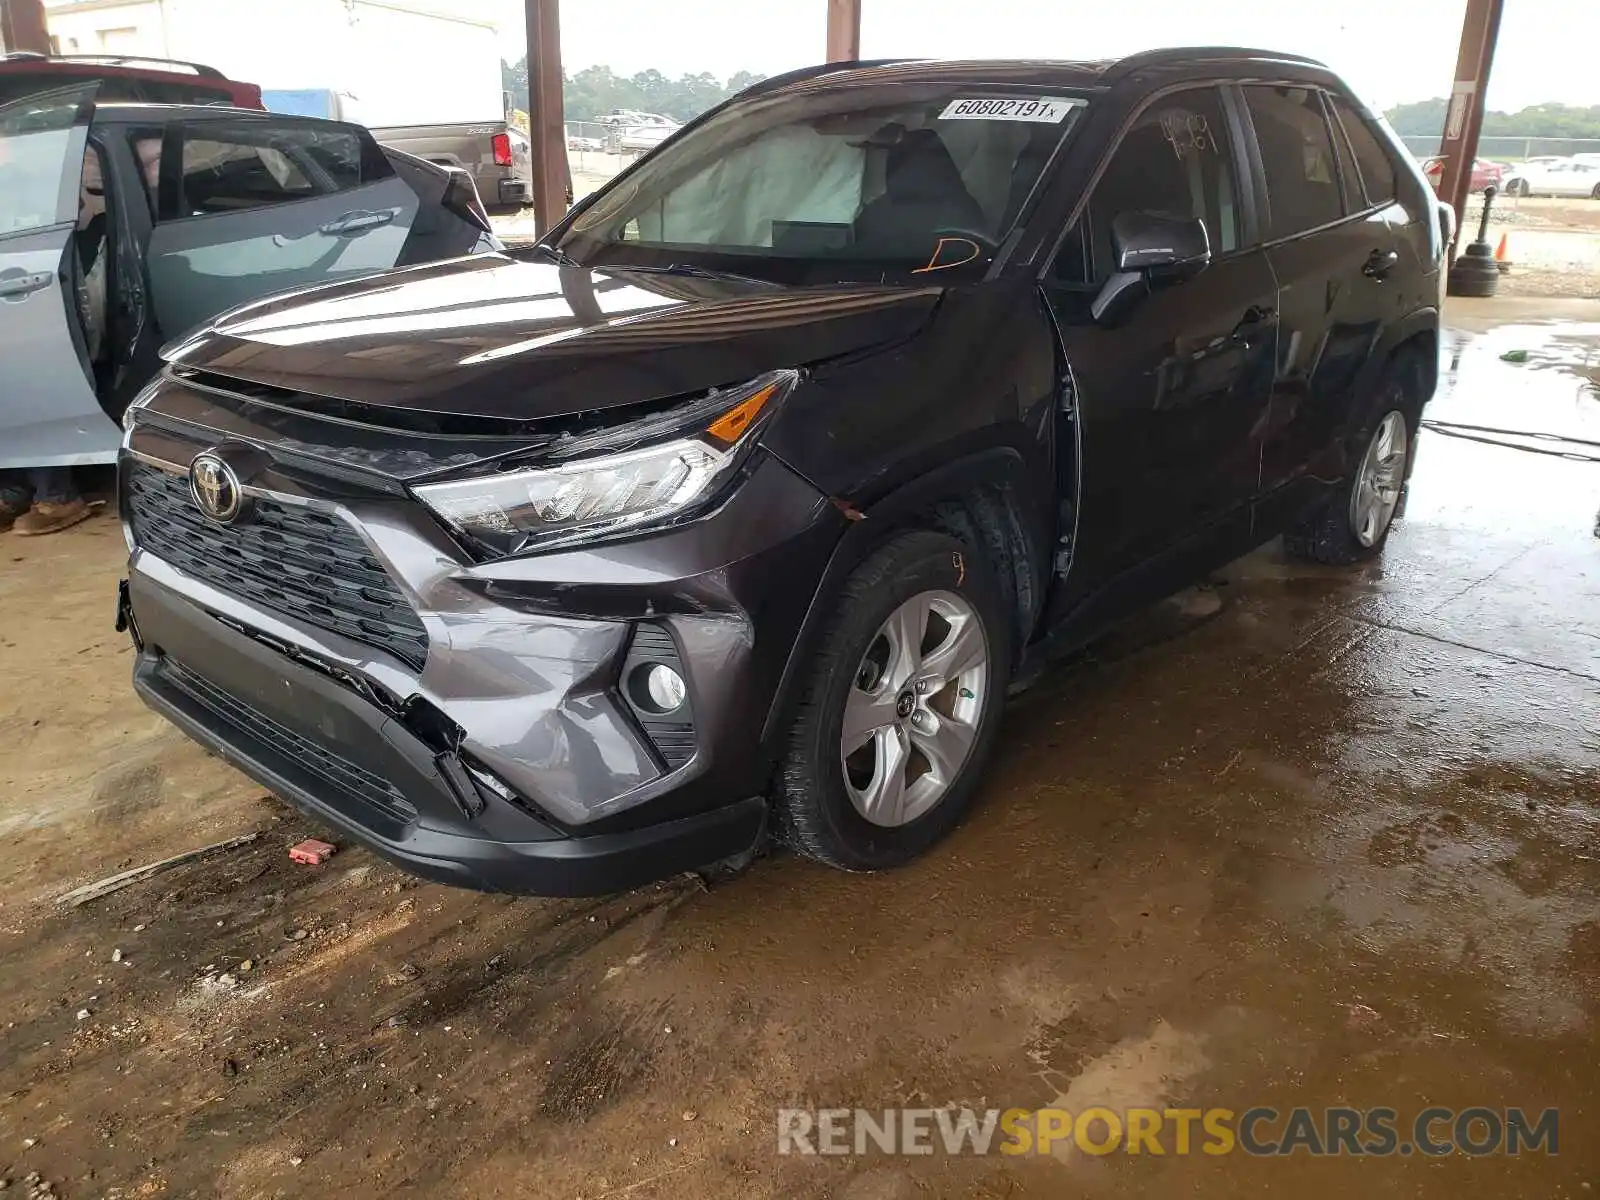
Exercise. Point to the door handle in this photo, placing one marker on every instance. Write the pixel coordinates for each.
(353, 223)
(18, 287)
(1379, 263)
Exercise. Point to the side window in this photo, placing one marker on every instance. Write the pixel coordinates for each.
(1177, 160)
(1372, 158)
(1297, 156)
(231, 168)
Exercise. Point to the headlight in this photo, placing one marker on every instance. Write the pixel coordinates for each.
(604, 494)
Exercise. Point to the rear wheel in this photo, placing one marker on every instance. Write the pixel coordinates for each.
(1595, 195)
(1353, 524)
(901, 709)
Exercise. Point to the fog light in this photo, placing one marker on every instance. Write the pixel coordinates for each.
(664, 689)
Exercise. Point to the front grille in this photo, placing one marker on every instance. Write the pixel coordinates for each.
(348, 777)
(304, 564)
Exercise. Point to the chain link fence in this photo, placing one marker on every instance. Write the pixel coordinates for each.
(597, 150)
(1511, 149)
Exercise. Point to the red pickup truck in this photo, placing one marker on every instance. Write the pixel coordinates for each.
(140, 80)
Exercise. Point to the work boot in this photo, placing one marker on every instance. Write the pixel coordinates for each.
(45, 517)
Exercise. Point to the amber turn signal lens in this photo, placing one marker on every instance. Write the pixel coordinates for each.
(727, 429)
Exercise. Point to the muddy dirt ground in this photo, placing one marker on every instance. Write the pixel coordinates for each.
(1334, 845)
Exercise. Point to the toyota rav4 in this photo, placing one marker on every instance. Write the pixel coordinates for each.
(737, 506)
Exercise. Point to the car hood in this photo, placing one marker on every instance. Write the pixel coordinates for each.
(496, 337)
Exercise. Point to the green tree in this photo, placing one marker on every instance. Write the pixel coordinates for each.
(595, 91)
(1426, 118)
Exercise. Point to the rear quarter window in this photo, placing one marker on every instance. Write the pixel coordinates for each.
(1376, 167)
(1297, 157)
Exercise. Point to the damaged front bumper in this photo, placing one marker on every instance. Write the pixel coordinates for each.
(369, 775)
(508, 754)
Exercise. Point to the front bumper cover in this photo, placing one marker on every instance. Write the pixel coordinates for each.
(311, 740)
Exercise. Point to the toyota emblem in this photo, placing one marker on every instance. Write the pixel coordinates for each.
(215, 488)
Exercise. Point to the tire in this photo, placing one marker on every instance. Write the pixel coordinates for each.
(1595, 195)
(821, 800)
(1336, 533)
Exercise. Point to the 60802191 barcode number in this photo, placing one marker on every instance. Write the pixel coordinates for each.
(1045, 109)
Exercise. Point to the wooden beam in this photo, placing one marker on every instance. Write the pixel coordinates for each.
(547, 129)
(1480, 31)
(844, 30)
(22, 26)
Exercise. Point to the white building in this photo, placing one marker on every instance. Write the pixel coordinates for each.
(394, 61)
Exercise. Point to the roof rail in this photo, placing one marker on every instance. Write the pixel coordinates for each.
(114, 60)
(817, 70)
(1176, 55)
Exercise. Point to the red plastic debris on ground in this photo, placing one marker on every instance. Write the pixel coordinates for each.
(312, 852)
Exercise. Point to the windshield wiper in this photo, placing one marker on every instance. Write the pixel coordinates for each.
(556, 255)
(693, 271)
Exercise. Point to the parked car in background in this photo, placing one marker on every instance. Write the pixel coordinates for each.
(1576, 176)
(633, 116)
(639, 131)
(123, 225)
(1485, 174)
(150, 80)
(742, 501)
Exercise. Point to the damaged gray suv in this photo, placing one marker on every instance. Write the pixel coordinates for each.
(737, 506)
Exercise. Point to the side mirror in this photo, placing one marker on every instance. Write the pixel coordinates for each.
(1160, 246)
(1151, 249)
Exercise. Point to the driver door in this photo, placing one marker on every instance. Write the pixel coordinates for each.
(250, 207)
(49, 414)
(1172, 398)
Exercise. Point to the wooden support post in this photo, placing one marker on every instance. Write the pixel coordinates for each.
(22, 26)
(547, 129)
(1480, 30)
(844, 30)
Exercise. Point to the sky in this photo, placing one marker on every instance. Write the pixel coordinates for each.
(1390, 50)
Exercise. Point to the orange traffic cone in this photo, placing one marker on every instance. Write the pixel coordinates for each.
(1502, 253)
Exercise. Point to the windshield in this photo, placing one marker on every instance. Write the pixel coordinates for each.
(839, 183)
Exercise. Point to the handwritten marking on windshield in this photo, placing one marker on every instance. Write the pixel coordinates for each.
(935, 265)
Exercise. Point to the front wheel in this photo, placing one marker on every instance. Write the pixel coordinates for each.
(901, 708)
(1354, 523)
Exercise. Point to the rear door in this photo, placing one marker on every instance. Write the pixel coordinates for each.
(49, 415)
(1332, 248)
(250, 207)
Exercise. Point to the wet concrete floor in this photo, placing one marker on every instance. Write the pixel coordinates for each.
(1335, 846)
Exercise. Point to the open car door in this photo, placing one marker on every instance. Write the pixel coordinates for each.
(251, 206)
(49, 415)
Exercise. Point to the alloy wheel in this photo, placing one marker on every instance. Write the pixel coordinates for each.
(1377, 488)
(912, 713)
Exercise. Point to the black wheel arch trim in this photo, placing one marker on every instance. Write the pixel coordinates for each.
(1000, 467)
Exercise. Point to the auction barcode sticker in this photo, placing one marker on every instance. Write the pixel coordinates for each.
(1047, 110)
